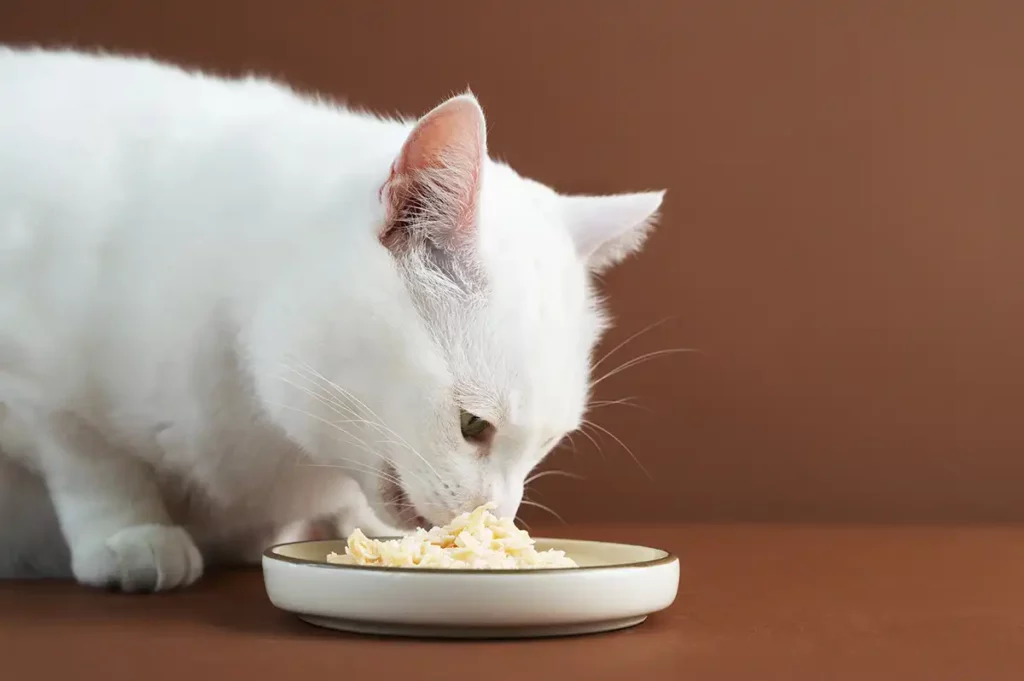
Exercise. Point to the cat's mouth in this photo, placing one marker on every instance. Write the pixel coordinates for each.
(396, 500)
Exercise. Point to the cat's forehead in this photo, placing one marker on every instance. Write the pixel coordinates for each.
(533, 271)
(523, 240)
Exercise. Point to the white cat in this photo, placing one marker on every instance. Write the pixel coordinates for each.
(227, 310)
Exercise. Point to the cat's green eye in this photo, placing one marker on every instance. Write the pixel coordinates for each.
(473, 427)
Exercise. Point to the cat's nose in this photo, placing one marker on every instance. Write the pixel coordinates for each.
(507, 495)
(508, 509)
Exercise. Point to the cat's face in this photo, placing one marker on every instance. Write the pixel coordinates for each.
(489, 368)
(512, 321)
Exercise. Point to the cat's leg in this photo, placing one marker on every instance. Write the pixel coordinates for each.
(31, 545)
(111, 513)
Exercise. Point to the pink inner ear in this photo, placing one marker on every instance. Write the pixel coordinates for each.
(452, 131)
(439, 167)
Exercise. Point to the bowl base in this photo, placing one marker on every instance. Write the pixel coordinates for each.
(467, 632)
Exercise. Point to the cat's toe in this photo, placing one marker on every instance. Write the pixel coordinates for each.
(142, 558)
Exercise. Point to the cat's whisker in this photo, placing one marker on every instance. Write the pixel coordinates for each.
(345, 421)
(425, 504)
(331, 401)
(312, 372)
(379, 422)
(404, 515)
(412, 505)
(369, 470)
(335, 406)
(519, 521)
(621, 444)
(605, 403)
(326, 399)
(554, 471)
(625, 401)
(403, 504)
(572, 442)
(359, 442)
(353, 466)
(640, 360)
(537, 504)
(649, 327)
(582, 431)
(334, 390)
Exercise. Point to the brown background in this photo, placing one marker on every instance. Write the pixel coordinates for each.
(843, 239)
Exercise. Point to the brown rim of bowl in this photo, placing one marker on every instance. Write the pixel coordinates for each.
(271, 553)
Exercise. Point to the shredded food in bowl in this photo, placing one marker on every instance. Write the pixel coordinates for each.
(473, 541)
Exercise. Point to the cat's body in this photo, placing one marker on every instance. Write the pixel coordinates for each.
(232, 310)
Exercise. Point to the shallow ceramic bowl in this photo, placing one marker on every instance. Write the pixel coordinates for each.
(616, 586)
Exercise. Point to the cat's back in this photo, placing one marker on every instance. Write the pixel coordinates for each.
(124, 136)
(86, 143)
(113, 169)
(57, 95)
(96, 148)
(72, 116)
(99, 87)
(36, 69)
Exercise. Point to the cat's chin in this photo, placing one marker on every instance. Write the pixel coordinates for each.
(397, 507)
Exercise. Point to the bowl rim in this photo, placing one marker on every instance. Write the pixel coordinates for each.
(667, 557)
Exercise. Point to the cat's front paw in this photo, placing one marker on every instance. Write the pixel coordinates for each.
(140, 558)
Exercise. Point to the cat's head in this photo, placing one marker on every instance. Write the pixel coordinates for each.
(473, 359)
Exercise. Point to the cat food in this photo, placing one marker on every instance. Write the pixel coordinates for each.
(473, 541)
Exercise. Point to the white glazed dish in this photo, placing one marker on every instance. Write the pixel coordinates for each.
(616, 586)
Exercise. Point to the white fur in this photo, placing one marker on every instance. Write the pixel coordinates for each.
(204, 343)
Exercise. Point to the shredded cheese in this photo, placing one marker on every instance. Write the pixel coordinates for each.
(475, 541)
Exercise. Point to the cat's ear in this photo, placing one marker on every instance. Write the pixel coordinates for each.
(433, 190)
(606, 229)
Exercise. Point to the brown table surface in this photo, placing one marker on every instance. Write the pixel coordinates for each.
(755, 602)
